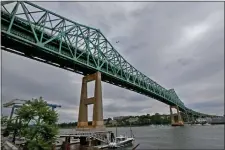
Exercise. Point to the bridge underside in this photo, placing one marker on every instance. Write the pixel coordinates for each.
(33, 52)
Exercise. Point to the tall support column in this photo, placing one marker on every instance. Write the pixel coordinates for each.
(193, 118)
(179, 115)
(98, 107)
(83, 110)
(187, 116)
(96, 101)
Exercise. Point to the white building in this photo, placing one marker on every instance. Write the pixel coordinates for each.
(132, 120)
(113, 122)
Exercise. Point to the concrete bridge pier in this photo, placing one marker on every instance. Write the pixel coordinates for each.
(179, 121)
(97, 122)
(187, 116)
(193, 119)
(190, 119)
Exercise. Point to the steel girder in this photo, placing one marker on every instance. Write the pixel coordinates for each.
(64, 38)
(198, 114)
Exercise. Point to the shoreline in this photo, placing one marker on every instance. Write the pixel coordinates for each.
(123, 126)
(213, 124)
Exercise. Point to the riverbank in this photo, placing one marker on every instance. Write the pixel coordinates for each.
(145, 125)
(113, 126)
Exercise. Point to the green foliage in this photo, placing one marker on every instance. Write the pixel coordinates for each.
(4, 120)
(67, 125)
(37, 124)
(142, 120)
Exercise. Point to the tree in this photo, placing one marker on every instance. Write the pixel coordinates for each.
(36, 122)
(4, 123)
(4, 120)
(109, 119)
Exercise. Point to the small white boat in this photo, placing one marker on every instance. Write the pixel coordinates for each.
(118, 141)
(121, 141)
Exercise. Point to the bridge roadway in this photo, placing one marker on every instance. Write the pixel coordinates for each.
(75, 47)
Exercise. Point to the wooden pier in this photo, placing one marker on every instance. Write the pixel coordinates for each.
(86, 137)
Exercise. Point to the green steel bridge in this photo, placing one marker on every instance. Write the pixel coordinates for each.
(34, 32)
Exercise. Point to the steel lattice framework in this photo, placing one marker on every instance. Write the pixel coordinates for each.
(40, 34)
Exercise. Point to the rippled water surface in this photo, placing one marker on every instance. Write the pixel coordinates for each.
(167, 137)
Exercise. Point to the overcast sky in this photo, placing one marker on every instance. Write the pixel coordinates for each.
(180, 45)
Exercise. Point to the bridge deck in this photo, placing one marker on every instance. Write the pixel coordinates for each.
(74, 47)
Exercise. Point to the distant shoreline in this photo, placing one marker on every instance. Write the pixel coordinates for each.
(137, 125)
(123, 126)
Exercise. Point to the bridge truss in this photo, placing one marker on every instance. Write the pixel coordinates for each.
(40, 34)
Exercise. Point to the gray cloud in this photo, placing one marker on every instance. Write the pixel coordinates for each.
(180, 45)
(34, 79)
(194, 68)
(119, 108)
(206, 105)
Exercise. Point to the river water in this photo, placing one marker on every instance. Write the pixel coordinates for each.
(167, 137)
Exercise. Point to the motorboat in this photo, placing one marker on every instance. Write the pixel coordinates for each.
(118, 141)
(121, 141)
